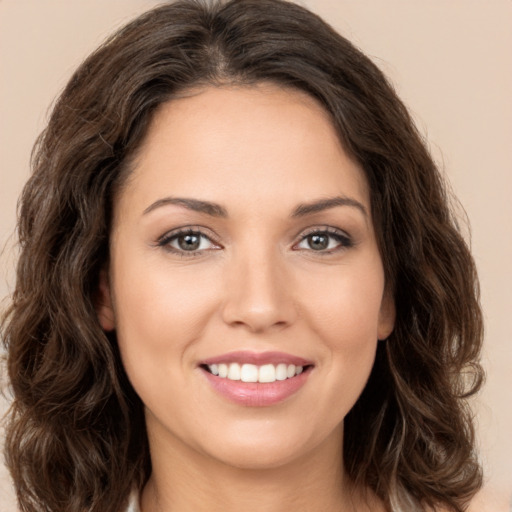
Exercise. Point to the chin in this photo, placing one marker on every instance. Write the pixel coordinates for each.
(275, 448)
(257, 457)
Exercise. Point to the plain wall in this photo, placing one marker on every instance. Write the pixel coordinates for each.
(451, 62)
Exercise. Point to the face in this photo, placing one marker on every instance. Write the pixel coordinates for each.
(243, 244)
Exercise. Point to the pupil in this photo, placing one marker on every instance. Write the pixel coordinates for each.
(318, 242)
(189, 242)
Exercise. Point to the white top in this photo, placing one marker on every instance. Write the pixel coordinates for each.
(133, 504)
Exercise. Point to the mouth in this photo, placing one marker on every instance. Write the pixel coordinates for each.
(247, 372)
(256, 379)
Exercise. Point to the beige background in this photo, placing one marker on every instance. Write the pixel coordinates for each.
(451, 61)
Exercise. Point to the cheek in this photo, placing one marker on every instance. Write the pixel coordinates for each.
(344, 314)
(159, 315)
(158, 305)
(345, 308)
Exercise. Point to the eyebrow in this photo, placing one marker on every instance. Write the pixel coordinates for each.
(324, 204)
(196, 205)
(216, 210)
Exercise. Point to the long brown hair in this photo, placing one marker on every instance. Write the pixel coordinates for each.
(76, 437)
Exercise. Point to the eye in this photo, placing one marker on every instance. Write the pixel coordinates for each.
(187, 241)
(324, 240)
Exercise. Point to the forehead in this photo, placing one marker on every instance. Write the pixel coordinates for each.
(264, 142)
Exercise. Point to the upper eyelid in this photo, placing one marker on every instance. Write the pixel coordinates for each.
(201, 230)
(331, 230)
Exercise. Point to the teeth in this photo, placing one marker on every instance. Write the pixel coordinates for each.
(281, 372)
(234, 371)
(223, 370)
(253, 373)
(267, 373)
(249, 373)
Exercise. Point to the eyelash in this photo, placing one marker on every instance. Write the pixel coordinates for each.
(166, 240)
(343, 240)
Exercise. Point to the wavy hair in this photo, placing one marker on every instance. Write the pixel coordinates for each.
(76, 437)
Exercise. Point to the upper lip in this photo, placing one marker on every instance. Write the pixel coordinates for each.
(257, 358)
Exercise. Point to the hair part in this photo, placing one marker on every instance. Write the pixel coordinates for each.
(76, 437)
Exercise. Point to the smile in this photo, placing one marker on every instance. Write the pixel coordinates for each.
(256, 379)
(252, 373)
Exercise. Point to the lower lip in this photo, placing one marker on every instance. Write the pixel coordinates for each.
(257, 394)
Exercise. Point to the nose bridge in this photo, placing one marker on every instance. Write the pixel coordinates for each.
(257, 295)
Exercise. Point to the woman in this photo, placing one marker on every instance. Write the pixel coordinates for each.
(240, 283)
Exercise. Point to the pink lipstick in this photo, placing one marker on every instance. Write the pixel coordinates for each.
(256, 379)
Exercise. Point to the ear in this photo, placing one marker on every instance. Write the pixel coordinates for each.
(104, 305)
(387, 316)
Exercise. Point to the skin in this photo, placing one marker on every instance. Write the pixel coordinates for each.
(255, 284)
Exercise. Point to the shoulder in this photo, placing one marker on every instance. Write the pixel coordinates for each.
(487, 500)
(490, 499)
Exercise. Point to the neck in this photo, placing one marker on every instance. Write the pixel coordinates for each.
(185, 480)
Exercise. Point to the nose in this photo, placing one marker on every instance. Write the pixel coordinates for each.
(258, 294)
